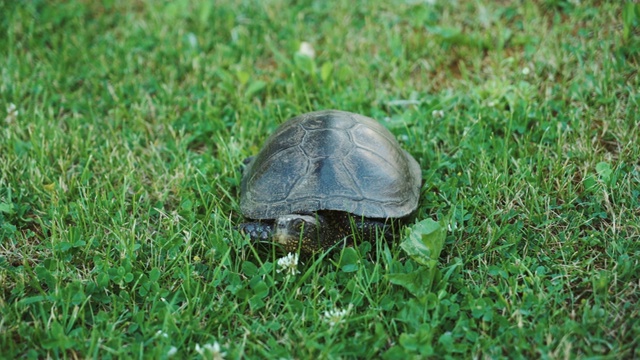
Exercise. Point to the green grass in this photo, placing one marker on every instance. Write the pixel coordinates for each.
(119, 178)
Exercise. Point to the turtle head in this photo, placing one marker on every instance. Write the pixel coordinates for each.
(299, 231)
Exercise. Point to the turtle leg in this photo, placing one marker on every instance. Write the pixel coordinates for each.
(246, 161)
(242, 167)
(257, 231)
(370, 228)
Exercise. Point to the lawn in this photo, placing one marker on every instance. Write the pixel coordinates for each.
(123, 126)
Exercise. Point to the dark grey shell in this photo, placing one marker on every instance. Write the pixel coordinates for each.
(331, 160)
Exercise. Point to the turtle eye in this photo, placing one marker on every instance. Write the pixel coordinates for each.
(298, 224)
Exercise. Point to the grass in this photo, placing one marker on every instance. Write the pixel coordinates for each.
(119, 178)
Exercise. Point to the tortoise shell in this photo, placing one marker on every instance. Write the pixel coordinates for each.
(331, 160)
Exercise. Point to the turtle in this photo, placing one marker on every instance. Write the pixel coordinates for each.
(324, 177)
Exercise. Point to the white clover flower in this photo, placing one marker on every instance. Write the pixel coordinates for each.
(161, 333)
(526, 71)
(175, 217)
(335, 316)
(12, 113)
(192, 40)
(172, 351)
(307, 49)
(438, 114)
(210, 351)
(288, 265)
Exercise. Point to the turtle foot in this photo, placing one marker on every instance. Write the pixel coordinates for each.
(256, 231)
